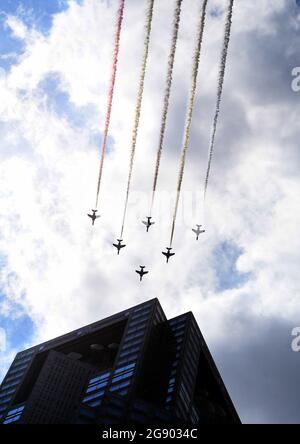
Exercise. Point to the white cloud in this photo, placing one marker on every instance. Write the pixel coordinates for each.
(18, 28)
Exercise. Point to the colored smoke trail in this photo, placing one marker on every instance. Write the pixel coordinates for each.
(149, 15)
(219, 90)
(120, 15)
(171, 60)
(188, 124)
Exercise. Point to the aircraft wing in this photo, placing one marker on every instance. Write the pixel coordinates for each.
(165, 254)
(145, 223)
(115, 245)
(138, 272)
(146, 272)
(122, 246)
(90, 216)
(195, 231)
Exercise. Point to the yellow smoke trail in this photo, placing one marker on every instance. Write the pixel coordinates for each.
(149, 15)
(220, 89)
(171, 59)
(188, 124)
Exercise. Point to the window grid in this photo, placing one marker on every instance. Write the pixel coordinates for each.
(94, 396)
(7, 393)
(128, 359)
(133, 336)
(144, 313)
(130, 344)
(136, 328)
(122, 376)
(129, 351)
(16, 370)
(143, 307)
(119, 386)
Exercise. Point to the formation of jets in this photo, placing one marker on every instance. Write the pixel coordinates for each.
(148, 224)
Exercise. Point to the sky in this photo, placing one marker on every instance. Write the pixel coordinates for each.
(241, 279)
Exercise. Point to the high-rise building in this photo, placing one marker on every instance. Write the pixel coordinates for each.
(135, 367)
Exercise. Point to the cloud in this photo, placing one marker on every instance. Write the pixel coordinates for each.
(64, 273)
(18, 28)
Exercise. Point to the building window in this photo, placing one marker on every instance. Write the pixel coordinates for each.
(136, 328)
(180, 326)
(142, 321)
(19, 361)
(124, 384)
(133, 336)
(130, 344)
(122, 376)
(143, 307)
(17, 368)
(177, 321)
(99, 378)
(145, 313)
(12, 419)
(94, 396)
(12, 384)
(15, 377)
(129, 351)
(14, 415)
(6, 393)
(124, 368)
(96, 387)
(123, 392)
(5, 400)
(128, 359)
(23, 359)
(95, 403)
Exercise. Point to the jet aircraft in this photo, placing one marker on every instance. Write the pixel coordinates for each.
(119, 245)
(148, 223)
(168, 254)
(93, 216)
(198, 231)
(141, 272)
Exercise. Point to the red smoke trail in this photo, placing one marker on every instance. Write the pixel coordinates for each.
(188, 124)
(171, 60)
(149, 15)
(220, 89)
(120, 15)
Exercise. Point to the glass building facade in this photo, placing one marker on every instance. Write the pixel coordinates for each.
(134, 367)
